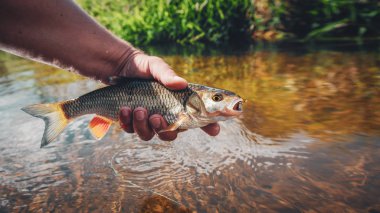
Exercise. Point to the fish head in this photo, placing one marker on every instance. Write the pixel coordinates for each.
(220, 104)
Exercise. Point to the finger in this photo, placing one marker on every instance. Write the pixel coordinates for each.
(157, 122)
(212, 129)
(125, 117)
(162, 72)
(140, 124)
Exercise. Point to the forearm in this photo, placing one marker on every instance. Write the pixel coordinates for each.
(58, 32)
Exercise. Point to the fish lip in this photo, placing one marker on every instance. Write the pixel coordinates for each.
(234, 109)
(236, 105)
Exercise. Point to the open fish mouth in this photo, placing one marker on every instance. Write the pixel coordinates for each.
(235, 108)
(238, 106)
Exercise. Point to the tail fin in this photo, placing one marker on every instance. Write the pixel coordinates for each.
(54, 117)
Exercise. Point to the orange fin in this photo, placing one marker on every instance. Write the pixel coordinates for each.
(99, 126)
(174, 126)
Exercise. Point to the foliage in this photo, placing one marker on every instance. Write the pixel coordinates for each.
(331, 18)
(219, 21)
(265, 22)
(186, 21)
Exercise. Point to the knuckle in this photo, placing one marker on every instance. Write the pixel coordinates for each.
(155, 59)
(155, 122)
(155, 116)
(157, 63)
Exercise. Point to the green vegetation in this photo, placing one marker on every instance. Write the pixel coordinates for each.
(220, 21)
(332, 18)
(149, 21)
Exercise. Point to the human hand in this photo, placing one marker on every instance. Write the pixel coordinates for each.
(140, 65)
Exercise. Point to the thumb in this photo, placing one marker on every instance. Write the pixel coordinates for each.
(164, 74)
(173, 82)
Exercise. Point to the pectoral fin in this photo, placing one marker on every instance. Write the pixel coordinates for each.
(181, 119)
(99, 126)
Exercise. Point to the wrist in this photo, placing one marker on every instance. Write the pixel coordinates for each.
(126, 62)
(111, 61)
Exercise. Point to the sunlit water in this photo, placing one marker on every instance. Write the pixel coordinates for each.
(309, 139)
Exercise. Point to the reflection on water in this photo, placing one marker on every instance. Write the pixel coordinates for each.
(308, 141)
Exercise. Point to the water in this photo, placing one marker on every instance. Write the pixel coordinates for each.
(309, 139)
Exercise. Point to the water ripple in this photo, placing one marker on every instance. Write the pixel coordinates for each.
(159, 166)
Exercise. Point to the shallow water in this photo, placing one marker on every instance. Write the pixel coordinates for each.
(309, 139)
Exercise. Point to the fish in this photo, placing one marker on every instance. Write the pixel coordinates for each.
(192, 107)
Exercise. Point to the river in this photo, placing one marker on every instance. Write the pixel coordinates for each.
(308, 140)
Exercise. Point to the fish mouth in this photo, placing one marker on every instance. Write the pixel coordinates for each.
(235, 108)
(232, 110)
(238, 106)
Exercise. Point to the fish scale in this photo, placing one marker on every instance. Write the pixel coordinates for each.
(148, 94)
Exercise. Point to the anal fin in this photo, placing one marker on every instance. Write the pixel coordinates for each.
(99, 126)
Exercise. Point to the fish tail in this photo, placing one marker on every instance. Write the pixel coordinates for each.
(54, 117)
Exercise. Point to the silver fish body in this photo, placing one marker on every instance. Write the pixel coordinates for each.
(151, 95)
(192, 107)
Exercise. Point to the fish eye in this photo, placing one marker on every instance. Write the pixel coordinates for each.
(217, 97)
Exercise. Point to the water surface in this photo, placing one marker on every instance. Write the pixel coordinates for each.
(309, 139)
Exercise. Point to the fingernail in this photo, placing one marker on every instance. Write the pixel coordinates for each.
(125, 112)
(156, 123)
(140, 115)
